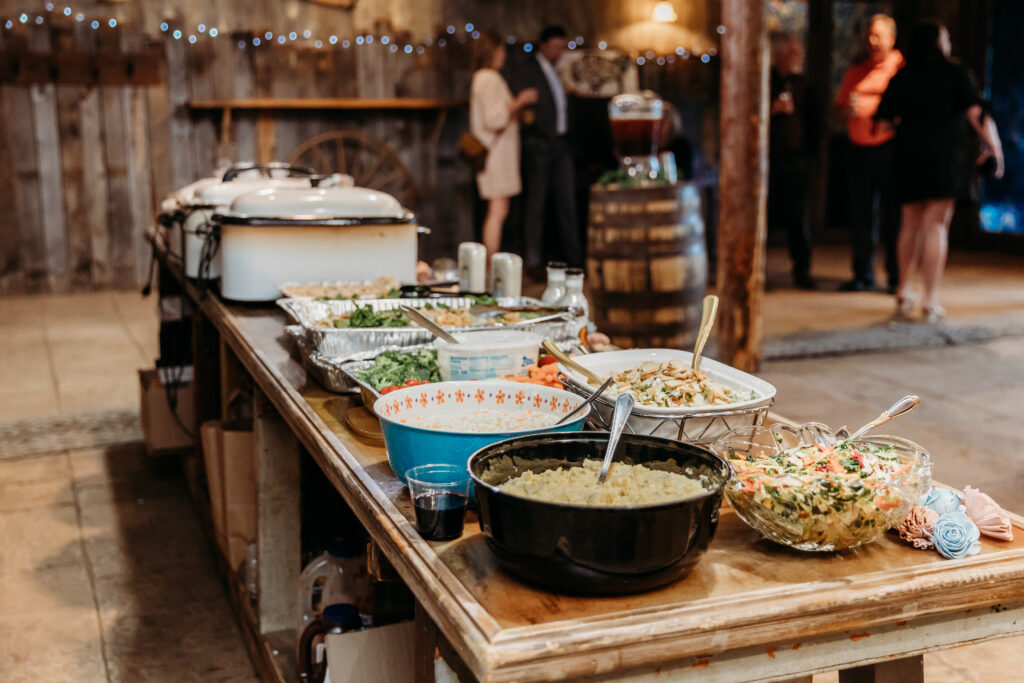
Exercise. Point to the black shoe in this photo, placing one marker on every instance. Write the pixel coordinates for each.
(804, 281)
(857, 286)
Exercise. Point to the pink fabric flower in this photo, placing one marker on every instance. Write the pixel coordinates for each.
(917, 527)
(987, 515)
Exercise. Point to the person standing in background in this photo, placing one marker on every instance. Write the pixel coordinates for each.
(494, 120)
(930, 102)
(547, 164)
(789, 148)
(873, 207)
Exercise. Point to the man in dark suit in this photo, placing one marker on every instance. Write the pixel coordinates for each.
(547, 165)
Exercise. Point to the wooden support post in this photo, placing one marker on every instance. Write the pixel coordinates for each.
(743, 182)
(905, 670)
(279, 548)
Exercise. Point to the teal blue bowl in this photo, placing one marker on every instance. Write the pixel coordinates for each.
(405, 416)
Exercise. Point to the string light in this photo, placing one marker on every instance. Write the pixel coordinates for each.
(468, 31)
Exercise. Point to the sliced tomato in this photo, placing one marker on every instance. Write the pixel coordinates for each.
(546, 360)
(389, 389)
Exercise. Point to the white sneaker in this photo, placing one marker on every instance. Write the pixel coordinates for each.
(934, 314)
(905, 305)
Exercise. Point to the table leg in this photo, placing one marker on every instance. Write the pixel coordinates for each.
(906, 670)
(278, 543)
(426, 646)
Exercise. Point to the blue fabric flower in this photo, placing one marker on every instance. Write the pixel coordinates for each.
(956, 536)
(942, 500)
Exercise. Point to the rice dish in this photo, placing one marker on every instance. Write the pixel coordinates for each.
(625, 485)
(484, 420)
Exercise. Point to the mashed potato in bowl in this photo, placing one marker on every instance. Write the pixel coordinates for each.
(626, 484)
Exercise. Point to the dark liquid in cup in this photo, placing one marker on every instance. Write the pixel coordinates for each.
(636, 137)
(440, 517)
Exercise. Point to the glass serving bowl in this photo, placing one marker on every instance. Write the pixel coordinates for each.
(818, 499)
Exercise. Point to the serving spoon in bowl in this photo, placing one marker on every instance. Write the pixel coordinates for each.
(707, 321)
(897, 409)
(623, 407)
(551, 349)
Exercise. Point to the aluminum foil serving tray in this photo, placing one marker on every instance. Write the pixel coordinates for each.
(343, 343)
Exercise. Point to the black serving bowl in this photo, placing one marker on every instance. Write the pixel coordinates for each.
(595, 549)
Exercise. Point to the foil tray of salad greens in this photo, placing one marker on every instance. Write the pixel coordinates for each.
(341, 329)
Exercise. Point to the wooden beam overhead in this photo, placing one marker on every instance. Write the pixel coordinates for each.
(742, 179)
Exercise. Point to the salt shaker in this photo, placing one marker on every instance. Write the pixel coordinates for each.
(472, 267)
(556, 283)
(507, 275)
(574, 298)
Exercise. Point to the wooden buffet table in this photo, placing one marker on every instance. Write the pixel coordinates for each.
(751, 610)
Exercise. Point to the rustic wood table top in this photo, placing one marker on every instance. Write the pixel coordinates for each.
(746, 595)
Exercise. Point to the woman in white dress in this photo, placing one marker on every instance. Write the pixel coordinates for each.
(494, 120)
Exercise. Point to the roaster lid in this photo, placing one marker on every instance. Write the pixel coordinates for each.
(316, 206)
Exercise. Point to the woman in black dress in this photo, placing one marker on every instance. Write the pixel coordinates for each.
(930, 102)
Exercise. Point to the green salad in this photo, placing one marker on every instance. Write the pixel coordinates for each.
(395, 368)
(840, 495)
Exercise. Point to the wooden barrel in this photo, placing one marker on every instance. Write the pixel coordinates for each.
(646, 265)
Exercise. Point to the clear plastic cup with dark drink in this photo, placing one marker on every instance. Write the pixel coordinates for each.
(440, 495)
(636, 121)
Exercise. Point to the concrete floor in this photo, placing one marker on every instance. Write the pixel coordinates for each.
(105, 574)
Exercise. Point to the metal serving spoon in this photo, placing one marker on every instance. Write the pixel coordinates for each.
(600, 390)
(623, 407)
(707, 321)
(563, 358)
(897, 409)
(428, 324)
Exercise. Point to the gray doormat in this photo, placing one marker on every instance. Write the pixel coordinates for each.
(891, 336)
(36, 436)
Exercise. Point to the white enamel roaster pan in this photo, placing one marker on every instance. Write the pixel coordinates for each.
(335, 233)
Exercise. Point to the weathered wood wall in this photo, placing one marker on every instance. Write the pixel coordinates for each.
(86, 158)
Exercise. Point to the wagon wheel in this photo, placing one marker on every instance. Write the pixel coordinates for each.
(371, 162)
